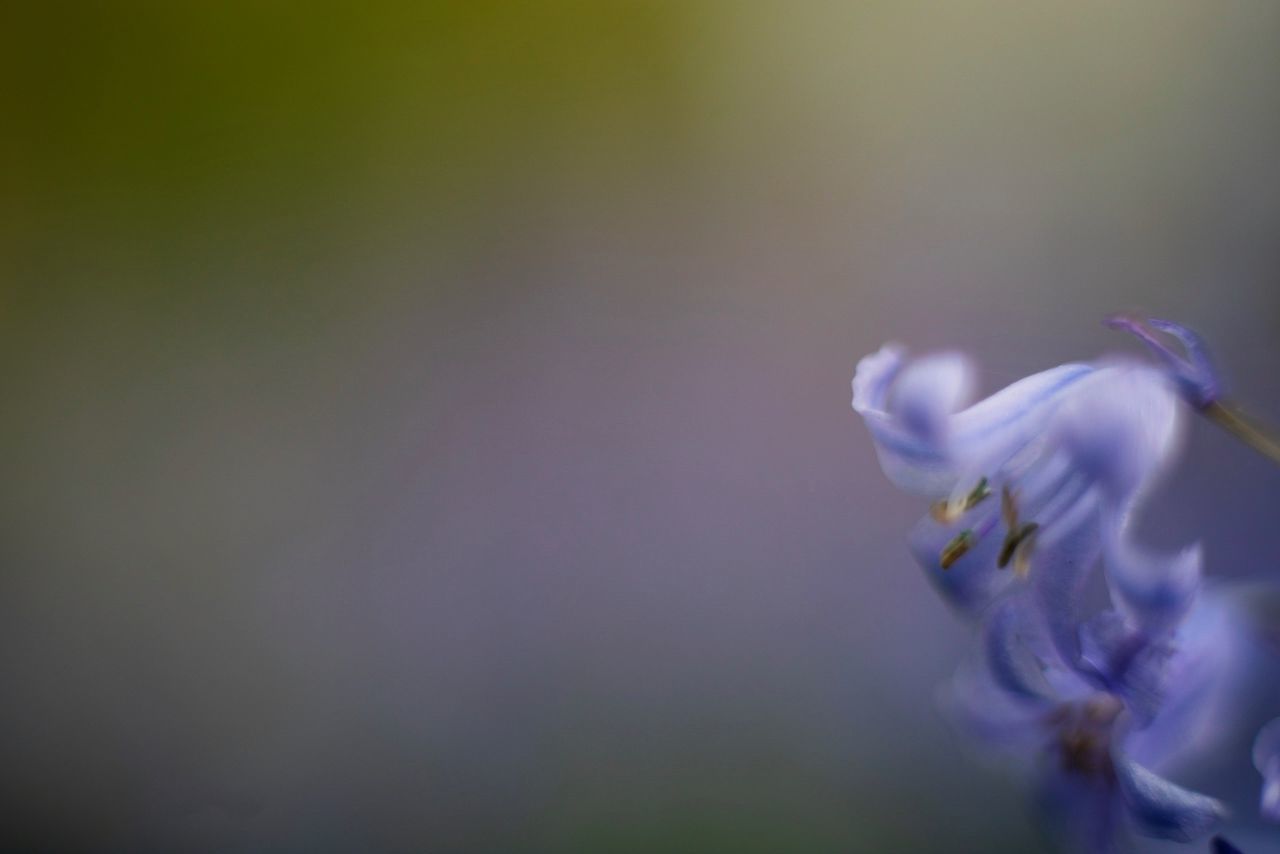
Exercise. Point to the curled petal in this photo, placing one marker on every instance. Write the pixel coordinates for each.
(928, 391)
(1194, 373)
(1266, 758)
(1163, 809)
(913, 463)
(873, 376)
(1154, 591)
(923, 447)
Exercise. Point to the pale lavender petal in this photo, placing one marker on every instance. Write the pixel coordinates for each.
(928, 392)
(1127, 664)
(1121, 428)
(1266, 758)
(989, 433)
(1163, 809)
(1203, 681)
(1066, 552)
(1266, 748)
(873, 377)
(913, 464)
(1154, 591)
(924, 447)
(1010, 660)
(985, 712)
(1081, 812)
(1269, 805)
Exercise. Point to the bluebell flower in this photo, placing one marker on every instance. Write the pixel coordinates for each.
(1031, 491)
(1033, 484)
(1096, 734)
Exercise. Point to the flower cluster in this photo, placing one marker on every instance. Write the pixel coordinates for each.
(1032, 494)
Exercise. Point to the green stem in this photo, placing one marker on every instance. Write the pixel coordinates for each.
(1255, 435)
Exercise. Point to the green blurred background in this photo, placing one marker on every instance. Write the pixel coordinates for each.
(426, 425)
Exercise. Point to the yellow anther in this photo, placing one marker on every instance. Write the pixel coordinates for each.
(1008, 508)
(1017, 547)
(956, 548)
(1022, 555)
(946, 512)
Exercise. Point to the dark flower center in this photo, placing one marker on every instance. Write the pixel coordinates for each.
(1084, 732)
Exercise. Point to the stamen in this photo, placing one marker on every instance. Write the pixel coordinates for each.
(1018, 538)
(1008, 508)
(1022, 552)
(1018, 541)
(946, 512)
(956, 549)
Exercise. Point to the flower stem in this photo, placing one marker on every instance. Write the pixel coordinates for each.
(1230, 418)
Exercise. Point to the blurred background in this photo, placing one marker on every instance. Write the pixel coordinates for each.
(426, 427)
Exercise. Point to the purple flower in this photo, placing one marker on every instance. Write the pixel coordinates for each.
(1032, 490)
(1097, 733)
(1040, 478)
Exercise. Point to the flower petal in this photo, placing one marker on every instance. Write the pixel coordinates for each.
(1065, 555)
(1269, 805)
(1121, 428)
(1266, 758)
(1163, 809)
(988, 434)
(1197, 379)
(1266, 748)
(1203, 683)
(873, 376)
(923, 447)
(929, 391)
(1127, 663)
(983, 711)
(1154, 591)
(1009, 659)
(912, 463)
(1081, 812)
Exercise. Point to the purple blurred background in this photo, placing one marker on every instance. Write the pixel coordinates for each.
(427, 427)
